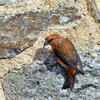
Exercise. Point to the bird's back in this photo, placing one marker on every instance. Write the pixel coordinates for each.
(66, 48)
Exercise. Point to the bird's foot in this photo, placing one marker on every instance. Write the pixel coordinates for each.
(67, 95)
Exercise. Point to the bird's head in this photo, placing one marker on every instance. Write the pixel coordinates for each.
(51, 39)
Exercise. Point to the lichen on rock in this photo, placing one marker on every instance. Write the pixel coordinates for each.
(22, 30)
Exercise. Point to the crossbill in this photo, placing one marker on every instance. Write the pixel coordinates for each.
(67, 57)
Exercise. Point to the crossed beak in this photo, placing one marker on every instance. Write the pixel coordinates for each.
(45, 43)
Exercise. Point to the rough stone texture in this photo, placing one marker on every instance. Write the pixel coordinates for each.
(6, 1)
(98, 3)
(92, 59)
(84, 35)
(44, 82)
(93, 8)
(20, 31)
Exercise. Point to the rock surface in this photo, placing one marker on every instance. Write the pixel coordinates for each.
(20, 31)
(10, 1)
(98, 3)
(94, 9)
(85, 35)
(44, 82)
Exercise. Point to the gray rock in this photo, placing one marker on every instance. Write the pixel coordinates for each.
(44, 82)
(88, 60)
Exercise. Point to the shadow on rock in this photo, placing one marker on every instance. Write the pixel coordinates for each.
(41, 54)
(50, 61)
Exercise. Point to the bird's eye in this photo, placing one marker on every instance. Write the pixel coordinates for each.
(50, 40)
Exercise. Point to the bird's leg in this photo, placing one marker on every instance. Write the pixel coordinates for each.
(69, 92)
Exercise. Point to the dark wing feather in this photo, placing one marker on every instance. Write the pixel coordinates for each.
(76, 56)
(68, 60)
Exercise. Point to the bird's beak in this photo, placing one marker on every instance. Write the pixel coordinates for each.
(46, 43)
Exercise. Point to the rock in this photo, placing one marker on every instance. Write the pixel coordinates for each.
(2, 96)
(37, 82)
(98, 3)
(84, 35)
(11, 1)
(93, 9)
(21, 30)
(91, 60)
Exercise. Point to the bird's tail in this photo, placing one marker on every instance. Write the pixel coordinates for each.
(69, 82)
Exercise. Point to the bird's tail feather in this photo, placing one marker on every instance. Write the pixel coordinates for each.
(69, 82)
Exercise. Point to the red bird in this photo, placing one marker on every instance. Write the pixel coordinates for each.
(67, 56)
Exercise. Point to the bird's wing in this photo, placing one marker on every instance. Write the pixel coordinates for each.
(69, 61)
(76, 56)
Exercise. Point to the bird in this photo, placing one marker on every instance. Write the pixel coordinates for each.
(67, 56)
